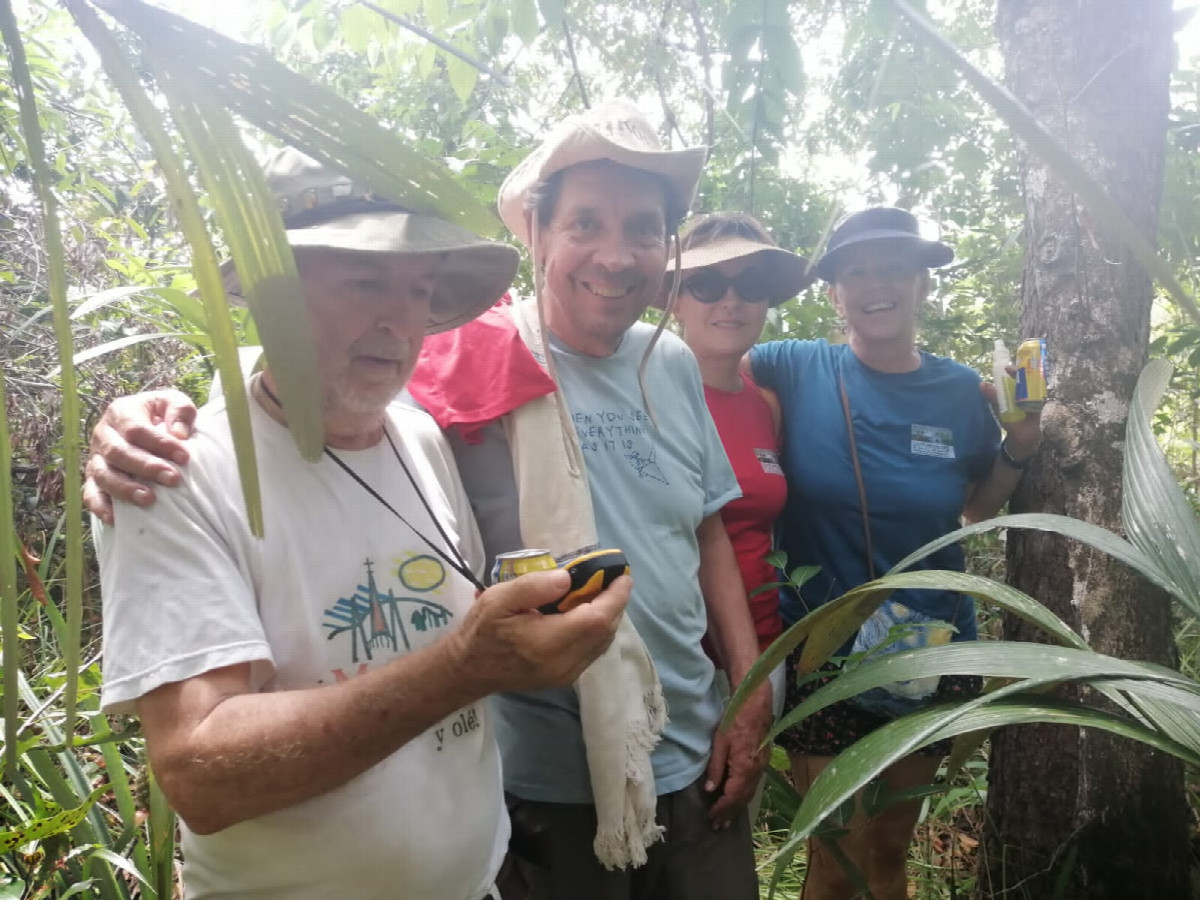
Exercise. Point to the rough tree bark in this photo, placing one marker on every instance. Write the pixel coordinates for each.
(1106, 811)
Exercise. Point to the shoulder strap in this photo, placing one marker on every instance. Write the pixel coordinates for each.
(862, 491)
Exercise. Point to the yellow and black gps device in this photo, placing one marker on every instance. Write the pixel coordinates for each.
(590, 574)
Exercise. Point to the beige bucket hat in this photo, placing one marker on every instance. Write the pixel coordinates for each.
(324, 208)
(615, 131)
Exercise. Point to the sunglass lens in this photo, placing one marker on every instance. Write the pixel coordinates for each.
(707, 286)
(753, 285)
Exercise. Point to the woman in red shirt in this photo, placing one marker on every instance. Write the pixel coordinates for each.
(732, 272)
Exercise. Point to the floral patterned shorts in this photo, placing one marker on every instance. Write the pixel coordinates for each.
(831, 730)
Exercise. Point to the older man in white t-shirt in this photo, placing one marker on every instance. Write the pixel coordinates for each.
(311, 700)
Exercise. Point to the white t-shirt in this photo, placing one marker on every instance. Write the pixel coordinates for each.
(337, 586)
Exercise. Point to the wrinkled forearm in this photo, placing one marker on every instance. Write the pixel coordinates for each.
(251, 754)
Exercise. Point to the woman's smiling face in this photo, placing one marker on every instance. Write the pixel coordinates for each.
(878, 288)
(728, 327)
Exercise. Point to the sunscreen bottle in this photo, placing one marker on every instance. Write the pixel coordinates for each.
(1006, 385)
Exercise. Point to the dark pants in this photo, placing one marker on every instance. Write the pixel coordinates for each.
(551, 852)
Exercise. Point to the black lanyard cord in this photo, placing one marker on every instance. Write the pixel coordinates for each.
(457, 563)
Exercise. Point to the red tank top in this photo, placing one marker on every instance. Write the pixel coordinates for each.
(747, 429)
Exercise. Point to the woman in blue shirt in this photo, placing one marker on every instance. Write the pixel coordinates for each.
(928, 452)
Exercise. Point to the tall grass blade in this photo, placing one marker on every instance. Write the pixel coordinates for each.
(204, 258)
(1156, 514)
(10, 623)
(1042, 143)
(161, 829)
(56, 268)
(250, 83)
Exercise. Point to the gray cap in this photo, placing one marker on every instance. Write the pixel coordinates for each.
(324, 208)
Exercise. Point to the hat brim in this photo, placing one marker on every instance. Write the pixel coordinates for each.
(680, 168)
(930, 254)
(789, 272)
(474, 273)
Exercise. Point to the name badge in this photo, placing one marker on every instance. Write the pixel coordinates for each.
(929, 440)
(769, 460)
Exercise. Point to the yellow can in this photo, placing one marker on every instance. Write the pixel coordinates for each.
(1031, 366)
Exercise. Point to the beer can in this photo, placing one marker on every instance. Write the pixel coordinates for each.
(516, 563)
(1032, 365)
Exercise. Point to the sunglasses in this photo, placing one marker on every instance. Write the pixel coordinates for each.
(753, 285)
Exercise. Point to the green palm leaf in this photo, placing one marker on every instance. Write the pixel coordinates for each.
(249, 82)
(1009, 660)
(827, 628)
(871, 755)
(1156, 514)
(1093, 535)
(204, 257)
(254, 231)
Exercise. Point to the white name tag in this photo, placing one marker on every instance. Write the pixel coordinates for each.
(929, 440)
(769, 460)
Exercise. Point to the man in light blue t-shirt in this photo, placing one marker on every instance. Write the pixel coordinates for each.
(596, 214)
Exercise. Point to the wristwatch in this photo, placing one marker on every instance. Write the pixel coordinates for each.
(1008, 459)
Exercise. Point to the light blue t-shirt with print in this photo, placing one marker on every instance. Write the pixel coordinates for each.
(923, 437)
(650, 487)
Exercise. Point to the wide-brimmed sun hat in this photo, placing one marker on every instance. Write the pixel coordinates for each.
(615, 131)
(786, 274)
(324, 208)
(882, 223)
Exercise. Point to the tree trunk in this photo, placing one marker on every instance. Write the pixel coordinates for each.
(1079, 811)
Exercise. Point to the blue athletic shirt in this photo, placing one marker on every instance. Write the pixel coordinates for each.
(923, 437)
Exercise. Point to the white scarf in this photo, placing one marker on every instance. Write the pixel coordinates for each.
(621, 706)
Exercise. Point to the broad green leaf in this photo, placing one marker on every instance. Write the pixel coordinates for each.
(1041, 142)
(39, 829)
(525, 20)
(358, 25)
(204, 258)
(462, 76)
(1156, 514)
(251, 83)
(1084, 532)
(436, 12)
(56, 265)
(552, 12)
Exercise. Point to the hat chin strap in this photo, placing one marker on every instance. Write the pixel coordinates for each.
(574, 453)
(668, 309)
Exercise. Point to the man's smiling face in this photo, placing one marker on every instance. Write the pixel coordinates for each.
(604, 252)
